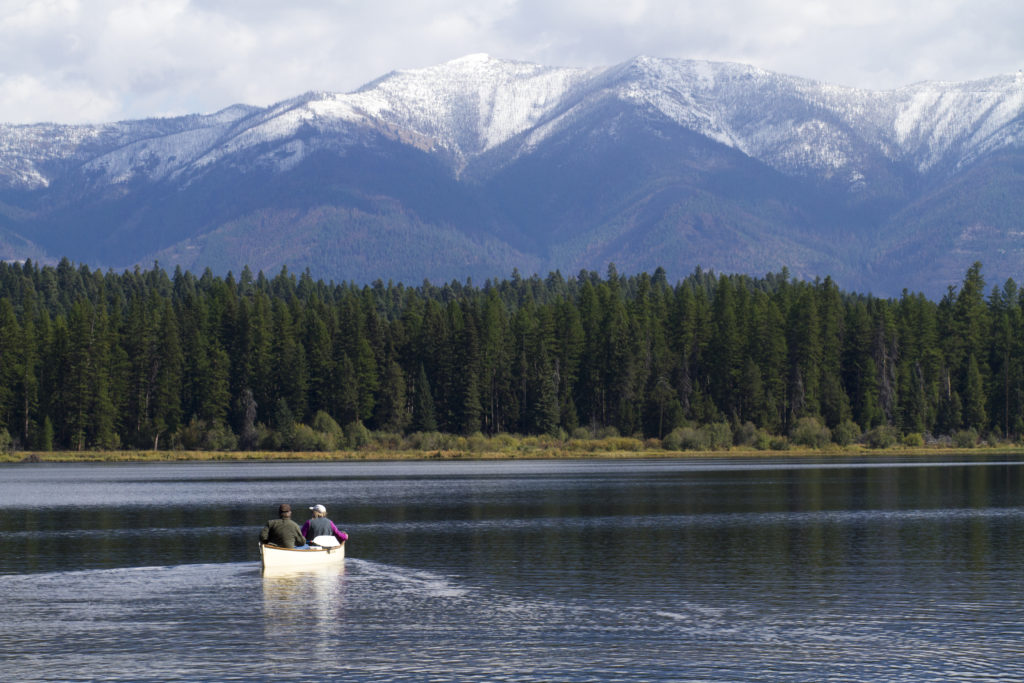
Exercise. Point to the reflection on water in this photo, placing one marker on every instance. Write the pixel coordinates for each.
(306, 601)
(639, 571)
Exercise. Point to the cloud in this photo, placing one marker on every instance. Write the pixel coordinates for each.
(73, 61)
(869, 43)
(36, 100)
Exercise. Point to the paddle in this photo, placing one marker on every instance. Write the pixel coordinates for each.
(325, 541)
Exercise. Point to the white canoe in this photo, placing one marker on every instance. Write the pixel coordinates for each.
(273, 557)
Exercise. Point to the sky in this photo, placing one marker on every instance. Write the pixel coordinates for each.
(91, 61)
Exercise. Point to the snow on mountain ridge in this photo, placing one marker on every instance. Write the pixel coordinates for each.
(115, 149)
(680, 90)
(471, 104)
(474, 104)
(937, 118)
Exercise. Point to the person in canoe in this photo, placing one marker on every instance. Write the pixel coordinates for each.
(320, 525)
(283, 532)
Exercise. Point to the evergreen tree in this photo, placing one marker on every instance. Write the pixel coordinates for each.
(471, 409)
(725, 355)
(94, 360)
(366, 380)
(547, 411)
(81, 370)
(835, 404)
(248, 436)
(27, 393)
(423, 419)
(288, 359)
(319, 357)
(974, 398)
(393, 411)
(805, 361)
(283, 423)
(11, 364)
(765, 377)
(347, 408)
(165, 409)
(971, 327)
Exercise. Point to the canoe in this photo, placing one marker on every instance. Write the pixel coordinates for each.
(273, 557)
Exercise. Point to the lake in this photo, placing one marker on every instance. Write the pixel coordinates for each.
(780, 569)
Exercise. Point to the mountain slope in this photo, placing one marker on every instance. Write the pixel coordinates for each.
(477, 166)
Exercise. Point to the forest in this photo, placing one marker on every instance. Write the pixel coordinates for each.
(143, 359)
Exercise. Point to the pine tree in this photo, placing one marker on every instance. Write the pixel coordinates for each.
(28, 383)
(725, 355)
(248, 436)
(974, 398)
(107, 359)
(366, 380)
(805, 360)
(835, 404)
(347, 407)
(81, 370)
(288, 358)
(471, 409)
(547, 412)
(259, 337)
(165, 408)
(970, 330)
(11, 364)
(319, 356)
(423, 419)
(393, 411)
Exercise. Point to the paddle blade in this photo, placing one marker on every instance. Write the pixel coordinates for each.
(326, 541)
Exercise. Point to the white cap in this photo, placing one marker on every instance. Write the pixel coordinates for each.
(319, 508)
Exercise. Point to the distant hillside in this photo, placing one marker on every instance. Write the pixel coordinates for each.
(479, 166)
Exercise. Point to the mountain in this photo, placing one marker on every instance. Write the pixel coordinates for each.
(480, 166)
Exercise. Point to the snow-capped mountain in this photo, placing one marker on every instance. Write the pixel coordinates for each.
(503, 164)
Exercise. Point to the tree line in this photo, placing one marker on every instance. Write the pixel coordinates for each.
(146, 359)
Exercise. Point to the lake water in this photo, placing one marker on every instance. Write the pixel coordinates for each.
(641, 570)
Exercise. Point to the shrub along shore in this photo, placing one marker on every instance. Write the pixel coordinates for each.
(682, 443)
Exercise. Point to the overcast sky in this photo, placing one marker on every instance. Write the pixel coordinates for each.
(104, 60)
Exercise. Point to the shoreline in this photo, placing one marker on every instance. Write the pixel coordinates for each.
(27, 457)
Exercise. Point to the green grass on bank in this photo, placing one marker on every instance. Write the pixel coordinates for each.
(565, 451)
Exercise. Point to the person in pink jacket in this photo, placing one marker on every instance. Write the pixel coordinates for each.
(319, 525)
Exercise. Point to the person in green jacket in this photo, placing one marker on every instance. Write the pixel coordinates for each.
(283, 532)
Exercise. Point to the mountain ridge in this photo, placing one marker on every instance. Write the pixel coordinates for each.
(768, 158)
